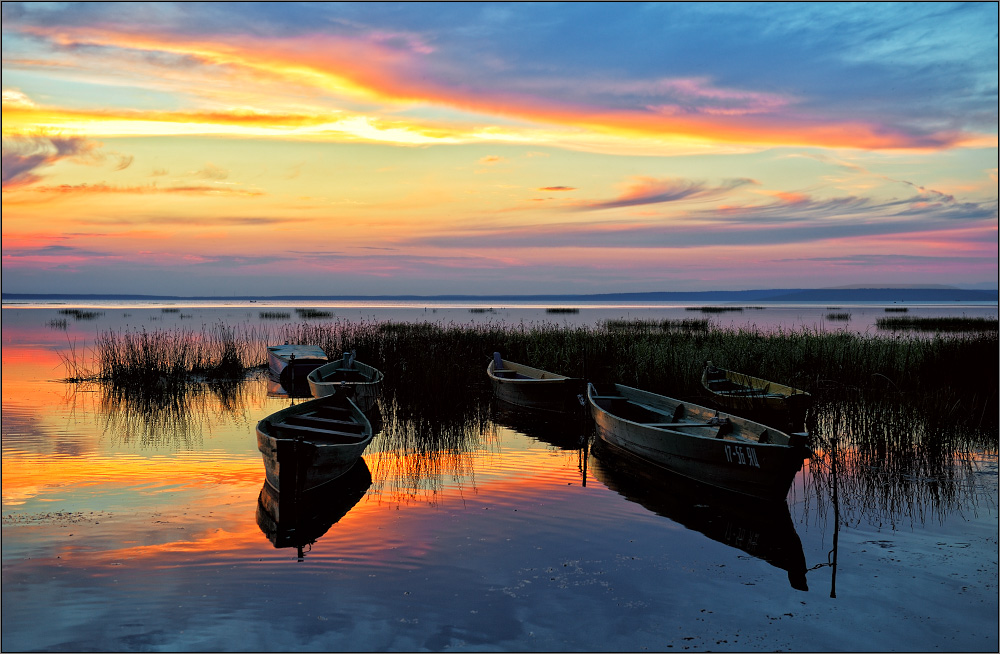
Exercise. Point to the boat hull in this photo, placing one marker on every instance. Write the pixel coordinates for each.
(535, 389)
(697, 451)
(360, 382)
(744, 394)
(299, 462)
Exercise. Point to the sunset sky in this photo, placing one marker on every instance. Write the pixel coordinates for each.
(382, 149)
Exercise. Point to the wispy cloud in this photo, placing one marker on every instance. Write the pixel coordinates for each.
(146, 189)
(783, 222)
(648, 190)
(25, 156)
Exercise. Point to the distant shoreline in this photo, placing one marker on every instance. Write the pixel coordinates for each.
(762, 295)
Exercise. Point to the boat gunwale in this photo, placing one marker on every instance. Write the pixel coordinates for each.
(337, 365)
(666, 430)
(766, 389)
(522, 368)
(273, 419)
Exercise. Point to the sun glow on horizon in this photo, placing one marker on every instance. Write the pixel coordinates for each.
(394, 153)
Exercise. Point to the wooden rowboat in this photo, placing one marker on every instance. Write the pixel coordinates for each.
(290, 363)
(348, 377)
(699, 443)
(313, 443)
(532, 388)
(738, 392)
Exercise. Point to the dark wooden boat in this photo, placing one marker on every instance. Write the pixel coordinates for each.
(290, 363)
(298, 521)
(349, 377)
(532, 388)
(310, 444)
(697, 442)
(742, 393)
(761, 528)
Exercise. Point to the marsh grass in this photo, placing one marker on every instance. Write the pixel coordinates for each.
(838, 316)
(81, 315)
(715, 309)
(904, 416)
(424, 360)
(274, 315)
(308, 314)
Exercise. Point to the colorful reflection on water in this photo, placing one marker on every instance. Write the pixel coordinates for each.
(135, 527)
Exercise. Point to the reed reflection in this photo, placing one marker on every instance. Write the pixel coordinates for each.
(761, 528)
(570, 431)
(300, 519)
(420, 450)
(891, 462)
(157, 416)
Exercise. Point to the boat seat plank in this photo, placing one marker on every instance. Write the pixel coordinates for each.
(654, 409)
(287, 430)
(329, 412)
(324, 423)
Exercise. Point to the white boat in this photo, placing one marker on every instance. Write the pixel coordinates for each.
(290, 363)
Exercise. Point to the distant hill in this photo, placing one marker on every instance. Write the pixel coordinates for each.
(935, 294)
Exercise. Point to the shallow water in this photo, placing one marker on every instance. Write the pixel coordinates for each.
(145, 532)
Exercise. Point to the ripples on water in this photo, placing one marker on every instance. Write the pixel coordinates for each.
(134, 526)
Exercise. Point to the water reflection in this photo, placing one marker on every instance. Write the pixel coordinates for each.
(156, 417)
(567, 432)
(761, 528)
(419, 450)
(299, 520)
(889, 462)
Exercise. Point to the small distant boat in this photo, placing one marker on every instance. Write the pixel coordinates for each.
(347, 376)
(532, 388)
(698, 443)
(290, 363)
(738, 392)
(313, 443)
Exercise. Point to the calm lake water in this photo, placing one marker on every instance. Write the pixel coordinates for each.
(126, 530)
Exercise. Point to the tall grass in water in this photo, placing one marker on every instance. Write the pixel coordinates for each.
(901, 409)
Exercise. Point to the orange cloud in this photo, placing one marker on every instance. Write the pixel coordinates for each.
(380, 69)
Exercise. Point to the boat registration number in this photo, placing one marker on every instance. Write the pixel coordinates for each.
(743, 456)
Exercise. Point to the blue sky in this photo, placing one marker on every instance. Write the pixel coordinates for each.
(385, 148)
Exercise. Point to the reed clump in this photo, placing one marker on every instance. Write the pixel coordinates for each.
(81, 315)
(307, 314)
(954, 375)
(715, 309)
